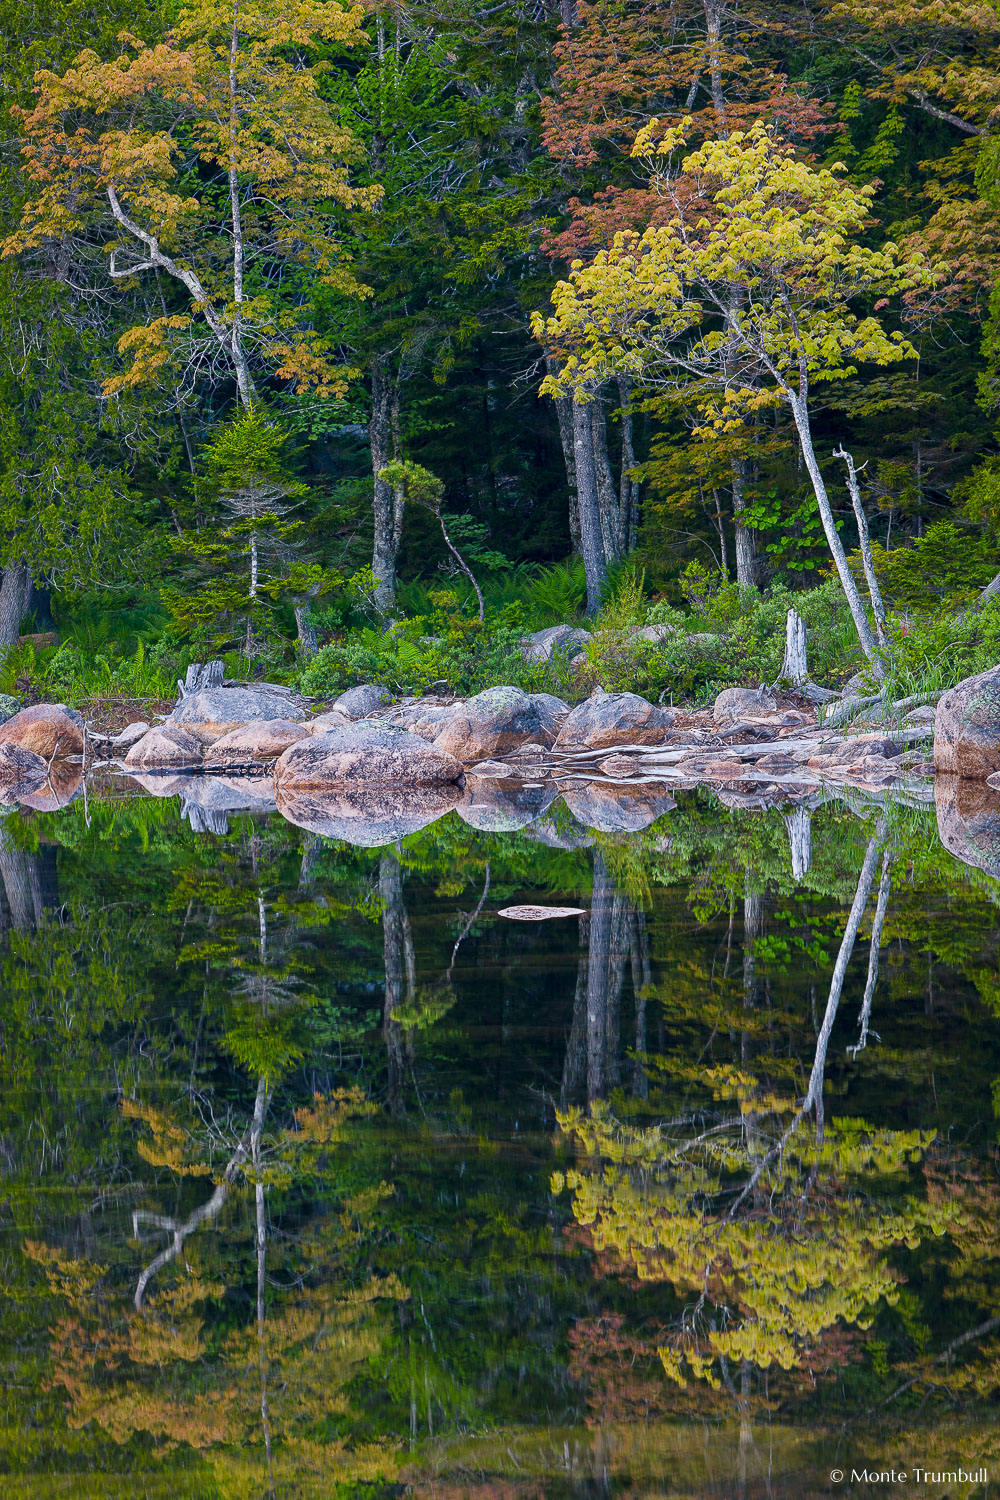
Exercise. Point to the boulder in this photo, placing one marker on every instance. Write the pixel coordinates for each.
(553, 713)
(368, 816)
(491, 723)
(966, 728)
(129, 735)
(62, 784)
(743, 703)
(863, 747)
(502, 806)
(332, 719)
(252, 744)
(21, 771)
(968, 820)
(617, 809)
(169, 747)
(426, 717)
(555, 640)
(656, 634)
(364, 754)
(359, 702)
(49, 729)
(211, 712)
(610, 719)
(8, 707)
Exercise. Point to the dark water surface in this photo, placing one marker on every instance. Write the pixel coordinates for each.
(320, 1178)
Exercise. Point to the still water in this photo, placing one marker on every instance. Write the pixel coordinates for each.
(319, 1177)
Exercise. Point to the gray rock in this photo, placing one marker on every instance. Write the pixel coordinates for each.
(359, 702)
(212, 712)
(425, 717)
(617, 809)
(553, 713)
(130, 734)
(368, 816)
(8, 707)
(254, 743)
(503, 806)
(966, 728)
(169, 747)
(49, 729)
(743, 703)
(861, 747)
(554, 640)
(610, 719)
(364, 754)
(657, 634)
(492, 723)
(332, 719)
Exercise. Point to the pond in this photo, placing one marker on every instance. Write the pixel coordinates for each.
(322, 1176)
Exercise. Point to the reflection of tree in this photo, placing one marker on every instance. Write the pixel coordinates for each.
(27, 882)
(778, 1234)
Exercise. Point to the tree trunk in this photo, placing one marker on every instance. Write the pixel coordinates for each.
(399, 973)
(747, 563)
(795, 667)
(602, 901)
(864, 542)
(799, 825)
(607, 499)
(308, 642)
(386, 506)
(869, 645)
(628, 502)
(575, 1064)
(14, 591)
(592, 542)
(642, 978)
(564, 416)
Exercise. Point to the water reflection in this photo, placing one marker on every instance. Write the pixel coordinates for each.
(320, 1178)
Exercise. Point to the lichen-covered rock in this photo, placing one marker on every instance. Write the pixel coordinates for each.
(968, 820)
(617, 809)
(967, 728)
(496, 806)
(21, 771)
(554, 640)
(169, 747)
(8, 707)
(743, 703)
(332, 719)
(368, 816)
(49, 729)
(426, 717)
(492, 723)
(612, 719)
(862, 747)
(212, 712)
(359, 702)
(364, 754)
(254, 743)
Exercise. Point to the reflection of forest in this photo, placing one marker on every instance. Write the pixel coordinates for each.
(277, 1149)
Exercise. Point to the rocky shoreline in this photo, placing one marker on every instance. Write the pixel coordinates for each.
(370, 768)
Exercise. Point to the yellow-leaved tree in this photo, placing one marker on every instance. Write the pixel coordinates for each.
(748, 296)
(210, 162)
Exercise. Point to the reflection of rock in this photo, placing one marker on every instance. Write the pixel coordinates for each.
(47, 728)
(734, 703)
(63, 785)
(206, 801)
(968, 820)
(21, 772)
(256, 742)
(212, 712)
(359, 702)
(502, 806)
(558, 829)
(365, 754)
(618, 809)
(168, 747)
(967, 727)
(370, 816)
(614, 719)
(492, 723)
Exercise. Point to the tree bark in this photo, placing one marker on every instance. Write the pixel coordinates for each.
(564, 416)
(628, 501)
(387, 507)
(747, 561)
(607, 498)
(799, 825)
(795, 667)
(14, 591)
(864, 542)
(400, 965)
(592, 543)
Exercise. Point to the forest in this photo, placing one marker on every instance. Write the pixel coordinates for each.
(353, 343)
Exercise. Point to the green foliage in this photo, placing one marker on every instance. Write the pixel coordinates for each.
(947, 565)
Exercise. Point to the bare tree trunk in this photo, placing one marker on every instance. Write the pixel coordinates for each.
(575, 1065)
(747, 563)
(308, 642)
(642, 978)
(607, 499)
(20, 878)
(795, 667)
(564, 416)
(399, 973)
(628, 501)
(387, 508)
(601, 904)
(864, 542)
(14, 591)
(592, 542)
(799, 825)
(869, 645)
